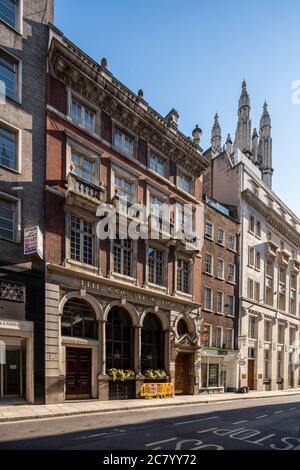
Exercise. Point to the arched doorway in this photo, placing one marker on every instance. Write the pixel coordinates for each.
(78, 321)
(152, 351)
(183, 363)
(119, 351)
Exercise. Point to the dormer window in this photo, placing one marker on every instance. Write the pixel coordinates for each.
(123, 142)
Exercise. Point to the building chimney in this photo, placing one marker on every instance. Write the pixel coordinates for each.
(104, 63)
(197, 133)
(172, 118)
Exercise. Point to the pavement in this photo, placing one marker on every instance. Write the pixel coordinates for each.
(9, 413)
(255, 424)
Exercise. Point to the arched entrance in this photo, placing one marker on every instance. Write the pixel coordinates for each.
(183, 363)
(152, 350)
(120, 352)
(78, 321)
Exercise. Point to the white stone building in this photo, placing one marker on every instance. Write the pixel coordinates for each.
(269, 315)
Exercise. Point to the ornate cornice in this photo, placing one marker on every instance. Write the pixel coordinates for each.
(70, 65)
(272, 217)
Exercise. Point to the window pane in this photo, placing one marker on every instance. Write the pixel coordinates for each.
(8, 12)
(7, 219)
(7, 148)
(8, 72)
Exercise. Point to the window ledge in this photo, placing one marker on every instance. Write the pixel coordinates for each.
(14, 30)
(208, 274)
(209, 238)
(221, 314)
(12, 170)
(220, 278)
(207, 310)
(156, 287)
(184, 295)
(233, 283)
(128, 279)
(125, 154)
(79, 264)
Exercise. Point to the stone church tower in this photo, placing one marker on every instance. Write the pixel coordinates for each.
(256, 146)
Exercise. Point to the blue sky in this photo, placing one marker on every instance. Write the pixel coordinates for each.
(194, 54)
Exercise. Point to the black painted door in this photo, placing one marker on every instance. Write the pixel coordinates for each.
(78, 374)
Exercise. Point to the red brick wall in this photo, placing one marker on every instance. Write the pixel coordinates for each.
(212, 282)
(57, 94)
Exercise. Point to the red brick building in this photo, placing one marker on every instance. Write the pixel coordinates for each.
(219, 358)
(115, 304)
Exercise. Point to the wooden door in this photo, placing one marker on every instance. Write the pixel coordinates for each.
(182, 374)
(78, 374)
(251, 374)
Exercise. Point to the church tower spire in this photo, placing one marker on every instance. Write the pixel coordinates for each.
(265, 146)
(243, 130)
(216, 134)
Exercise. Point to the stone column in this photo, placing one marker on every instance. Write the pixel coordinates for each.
(167, 350)
(102, 377)
(29, 370)
(260, 354)
(286, 357)
(273, 354)
(138, 358)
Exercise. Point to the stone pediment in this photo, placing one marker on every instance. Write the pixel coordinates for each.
(186, 341)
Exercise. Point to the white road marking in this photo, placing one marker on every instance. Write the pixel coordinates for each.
(161, 442)
(240, 422)
(291, 409)
(277, 412)
(90, 436)
(206, 430)
(196, 421)
(260, 417)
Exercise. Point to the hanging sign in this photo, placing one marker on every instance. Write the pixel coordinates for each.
(33, 241)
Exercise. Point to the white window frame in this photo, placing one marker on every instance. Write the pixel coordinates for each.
(19, 75)
(180, 292)
(211, 272)
(181, 171)
(85, 152)
(156, 246)
(231, 346)
(18, 228)
(219, 328)
(220, 312)
(234, 248)
(222, 243)
(208, 326)
(19, 19)
(18, 152)
(152, 151)
(130, 177)
(233, 306)
(210, 309)
(222, 277)
(70, 260)
(232, 281)
(209, 237)
(117, 126)
(86, 104)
